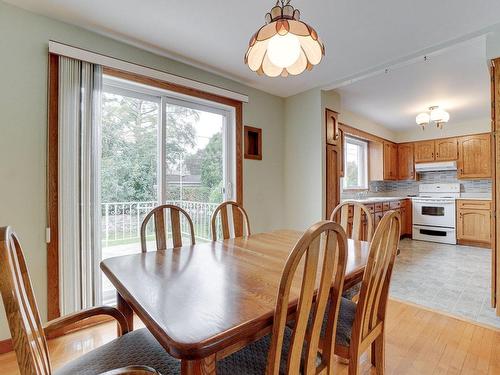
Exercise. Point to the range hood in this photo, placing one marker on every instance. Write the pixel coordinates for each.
(437, 166)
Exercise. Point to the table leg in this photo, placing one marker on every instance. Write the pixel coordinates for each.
(205, 366)
(126, 310)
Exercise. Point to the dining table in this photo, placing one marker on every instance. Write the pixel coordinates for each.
(203, 302)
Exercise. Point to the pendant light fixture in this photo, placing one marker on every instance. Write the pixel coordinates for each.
(437, 115)
(284, 45)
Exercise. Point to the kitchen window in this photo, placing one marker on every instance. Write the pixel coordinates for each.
(355, 164)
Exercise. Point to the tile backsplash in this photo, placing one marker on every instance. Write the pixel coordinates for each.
(404, 188)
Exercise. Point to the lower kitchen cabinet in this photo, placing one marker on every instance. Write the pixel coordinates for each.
(378, 211)
(406, 218)
(474, 224)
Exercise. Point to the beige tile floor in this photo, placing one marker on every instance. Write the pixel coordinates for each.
(448, 278)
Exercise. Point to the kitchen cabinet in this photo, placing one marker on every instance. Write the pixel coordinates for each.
(378, 210)
(334, 161)
(474, 224)
(383, 161)
(474, 156)
(332, 127)
(424, 151)
(446, 149)
(406, 165)
(388, 162)
(406, 218)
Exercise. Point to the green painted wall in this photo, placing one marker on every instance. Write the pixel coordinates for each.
(24, 40)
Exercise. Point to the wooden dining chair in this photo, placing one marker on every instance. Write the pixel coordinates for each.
(350, 215)
(316, 263)
(355, 228)
(131, 353)
(160, 213)
(362, 325)
(233, 227)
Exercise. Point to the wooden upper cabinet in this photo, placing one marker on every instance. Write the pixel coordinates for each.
(334, 161)
(332, 128)
(474, 156)
(406, 167)
(446, 149)
(436, 150)
(394, 161)
(424, 151)
(390, 161)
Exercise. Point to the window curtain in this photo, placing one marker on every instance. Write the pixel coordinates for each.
(80, 87)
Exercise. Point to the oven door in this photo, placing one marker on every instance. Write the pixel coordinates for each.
(434, 234)
(439, 213)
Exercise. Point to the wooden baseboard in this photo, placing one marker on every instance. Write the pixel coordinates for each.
(6, 346)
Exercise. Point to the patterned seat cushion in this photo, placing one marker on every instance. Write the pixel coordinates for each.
(352, 291)
(252, 359)
(347, 313)
(345, 321)
(138, 347)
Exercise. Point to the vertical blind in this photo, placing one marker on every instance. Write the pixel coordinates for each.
(80, 87)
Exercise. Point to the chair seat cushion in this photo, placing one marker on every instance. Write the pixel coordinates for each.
(252, 359)
(347, 312)
(138, 347)
(352, 291)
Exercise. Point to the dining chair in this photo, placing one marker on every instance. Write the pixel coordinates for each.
(362, 325)
(356, 228)
(321, 256)
(352, 214)
(227, 224)
(135, 352)
(160, 213)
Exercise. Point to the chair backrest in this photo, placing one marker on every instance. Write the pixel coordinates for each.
(238, 223)
(160, 213)
(358, 213)
(373, 295)
(323, 252)
(21, 309)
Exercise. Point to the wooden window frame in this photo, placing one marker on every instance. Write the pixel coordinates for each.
(366, 162)
(52, 192)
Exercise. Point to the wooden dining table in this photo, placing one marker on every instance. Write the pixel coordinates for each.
(203, 302)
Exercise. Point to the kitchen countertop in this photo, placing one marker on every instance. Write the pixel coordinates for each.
(373, 200)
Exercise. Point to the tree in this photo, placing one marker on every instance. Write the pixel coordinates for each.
(352, 174)
(211, 165)
(129, 146)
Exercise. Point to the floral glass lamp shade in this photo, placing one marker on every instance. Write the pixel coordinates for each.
(284, 45)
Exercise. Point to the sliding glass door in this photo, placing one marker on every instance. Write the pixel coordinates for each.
(157, 148)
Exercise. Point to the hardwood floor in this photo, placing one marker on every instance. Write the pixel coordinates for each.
(419, 342)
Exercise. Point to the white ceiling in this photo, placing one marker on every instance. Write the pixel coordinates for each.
(359, 34)
(456, 79)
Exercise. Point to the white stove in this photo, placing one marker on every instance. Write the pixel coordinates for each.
(434, 213)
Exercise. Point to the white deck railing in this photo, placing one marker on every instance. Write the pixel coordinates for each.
(121, 221)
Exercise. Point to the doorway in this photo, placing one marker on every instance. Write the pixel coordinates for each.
(157, 148)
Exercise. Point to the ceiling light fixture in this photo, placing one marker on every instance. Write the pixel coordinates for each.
(437, 115)
(284, 45)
